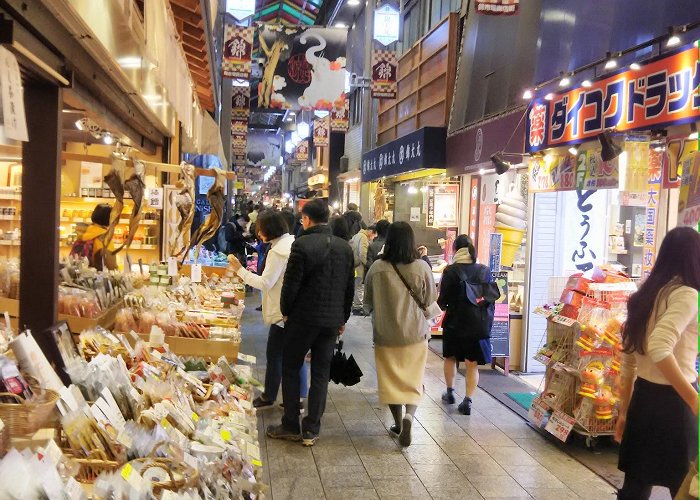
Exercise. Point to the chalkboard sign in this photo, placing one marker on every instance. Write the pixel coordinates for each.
(500, 331)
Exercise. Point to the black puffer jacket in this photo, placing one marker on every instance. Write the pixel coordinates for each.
(318, 284)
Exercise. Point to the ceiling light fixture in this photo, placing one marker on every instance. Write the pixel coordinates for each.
(79, 124)
(635, 66)
(527, 94)
(502, 166)
(673, 40)
(565, 81)
(107, 138)
(341, 25)
(549, 96)
(353, 3)
(586, 84)
(611, 62)
(412, 190)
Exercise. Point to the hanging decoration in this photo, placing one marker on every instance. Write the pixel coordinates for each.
(240, 102)
(238, 52)
(497, 7)
(302, 151)
(340, 118)
(384, 70)
(304, 67)
(322, 131)
(387, 21)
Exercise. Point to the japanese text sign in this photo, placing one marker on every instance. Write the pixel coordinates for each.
(443, 205)
(240, 102)
(238, 52)
(322, 131)
(689, 203)
(384, 70)
(497, 7)
(12, 108)
(662, 91)
(652, 212)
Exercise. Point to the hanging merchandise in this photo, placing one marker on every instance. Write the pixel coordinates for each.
(238, 52)
(216, 198)
(240, 102)
(384, 70)
(322, 131)
(183, 199)
(304, 67)
(340, 118)
(497, 7)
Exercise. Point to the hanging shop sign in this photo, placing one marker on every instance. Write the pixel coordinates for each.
(689, 201)
(497, 7)
(637, 172)
(239, 145)
(304, 67)
(322, 131)
(340, 118)
(238, 52)
(424, 148)
(386, 24)
(661, 92)
(652, 212)
(240, 102)
(154, 198)
(594, 173)
(677, 150)
(487, 223)
(240, 9)
(587, 170)
(385, 67)
(474, 211)
(443, 205)
(470, 150)
(239, 127)
(302, 151)
(14, 120)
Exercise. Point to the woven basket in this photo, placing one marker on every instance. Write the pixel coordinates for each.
(93, 466)
(27, 417)
(4, 440)
(182, 476)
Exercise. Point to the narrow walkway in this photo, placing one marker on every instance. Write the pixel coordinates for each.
(491, 454)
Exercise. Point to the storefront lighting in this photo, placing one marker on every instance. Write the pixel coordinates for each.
(565, 81)
(129, 62)
(635, 66)
(609, 150)
(549, 96)
(500, 164)
(353, 3)
(79, 124)
(107, 138)
(482, 171)
(424, 189)
(586, 84)
(527, 94)
(673, 40)
(412, 190)
(611, 62)
(341, 25)
(336, 205)
(573, 150)
(309, 168)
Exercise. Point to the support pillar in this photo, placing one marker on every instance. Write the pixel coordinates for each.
(41, 196)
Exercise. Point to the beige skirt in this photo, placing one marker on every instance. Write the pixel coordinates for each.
(400, 372)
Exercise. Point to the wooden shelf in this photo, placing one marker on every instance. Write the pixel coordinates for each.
(10, 217)
(145, 222)
(9, 243)
(13, 197)
(80, 199)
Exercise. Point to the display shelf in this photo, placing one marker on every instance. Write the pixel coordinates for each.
(145, 222)
(9, 243)
(15, 218)
(11, 197)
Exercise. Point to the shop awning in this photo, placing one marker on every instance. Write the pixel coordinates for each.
(470, 150)
(424, 148)
(206, 138)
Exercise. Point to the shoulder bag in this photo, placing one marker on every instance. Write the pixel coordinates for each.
(431, 311)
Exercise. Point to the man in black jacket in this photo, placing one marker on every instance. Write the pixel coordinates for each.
(375, 248)
(316, 300)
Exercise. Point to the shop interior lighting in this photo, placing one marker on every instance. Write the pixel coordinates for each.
(527, 94)
(586, 83)
(353, 3)
(341, 25)
(673, 40)
(573, 150)
(309, 168)
(412, 190)
(635, 66)
(693, 132)
(129, 62)
(79, 124)
(424, 189)
(107, 138)
(609, 150)
(611, 62)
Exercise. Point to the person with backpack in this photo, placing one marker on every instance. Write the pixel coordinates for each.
(354, 219)
(467, 295)
(359, 244)
(90, 244)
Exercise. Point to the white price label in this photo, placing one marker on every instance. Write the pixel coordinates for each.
(246, 357)
(563, 320)
(560, 425)
(172, 266)
(537, 412)
(196, 274)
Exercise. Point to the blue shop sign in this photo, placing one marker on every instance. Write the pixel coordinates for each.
(424, 148)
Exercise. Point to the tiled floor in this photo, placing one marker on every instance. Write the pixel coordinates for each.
(491, 454)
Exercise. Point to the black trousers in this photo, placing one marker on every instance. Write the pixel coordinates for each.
(299, 339)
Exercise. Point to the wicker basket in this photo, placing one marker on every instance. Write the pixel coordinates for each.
(4, 440)
(93, 466)
(27, 417)
(182, 476)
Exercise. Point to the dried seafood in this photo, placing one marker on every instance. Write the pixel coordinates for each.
(184, 201)
(217, 200)
(136, 187)
(114, 180)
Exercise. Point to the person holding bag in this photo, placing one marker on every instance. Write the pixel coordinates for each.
(400, 294)
(468, 295)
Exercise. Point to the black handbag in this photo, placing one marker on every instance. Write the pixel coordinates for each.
(344, 370)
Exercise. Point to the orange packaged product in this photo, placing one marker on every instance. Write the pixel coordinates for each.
(572, 297)
(578, 283)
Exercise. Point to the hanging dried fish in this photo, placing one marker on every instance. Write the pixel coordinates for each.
(216, 199)
(184, 201)
(114, 180)
(136, 187)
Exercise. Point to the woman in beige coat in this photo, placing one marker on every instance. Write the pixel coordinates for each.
(399, 325)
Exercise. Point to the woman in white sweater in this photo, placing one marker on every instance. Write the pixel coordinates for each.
(272, 228)
(658, 421)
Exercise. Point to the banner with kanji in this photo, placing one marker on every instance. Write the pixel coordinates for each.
(660, 92)
(322, 131)
(240, 103)
(689, 202)
(304, 67)
(340, 118)
(497, 7)
(652, 211)
(384, 70)
(238, 52)
(302, 151)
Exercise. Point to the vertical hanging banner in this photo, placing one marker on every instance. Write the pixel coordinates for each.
(340, 118)
(322, 131)
(497, 7)
(238, 52)
(240, 103)
(239, 141)
(384, 70)
(652, 212)
(304, 67)
(12, 104)
(302, 151)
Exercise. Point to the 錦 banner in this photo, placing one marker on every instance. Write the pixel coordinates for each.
(238, 52)
(304, 67)
(497, 7)
(662, 91)
(240, 103)
(340, 118)
(384, 69)
(322, 131)
(302, 151)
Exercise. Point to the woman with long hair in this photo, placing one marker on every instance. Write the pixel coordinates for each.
(399, 325)
(657, 425)
(464, 324)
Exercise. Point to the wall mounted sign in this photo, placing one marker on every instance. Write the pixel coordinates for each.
(155, 197)
(497, 7)
(322, 131)
(500, 331)
(385, 67)
(662, 91)
(304, 67)
(12, 109)
(594, 173)
(652, 212)
(487, 223)
(240, 102)
(386, 24)
(340, 118)
(443, 205)
(689, 202)
(238, 52)
(424, 148)
(471, 149)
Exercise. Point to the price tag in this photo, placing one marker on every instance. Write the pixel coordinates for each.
(256, 463)
(196, 274)
(563, 320)
(226, 434)
(246, 357)
(126, 471)
(560, 425)
(537, 412)
(195, 417)
(542, 358)
(172, 266)
(164, 423)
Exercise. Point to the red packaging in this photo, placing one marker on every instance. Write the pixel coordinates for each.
(606, 274)
(578, 283)
(572, 297)
(569, 311)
